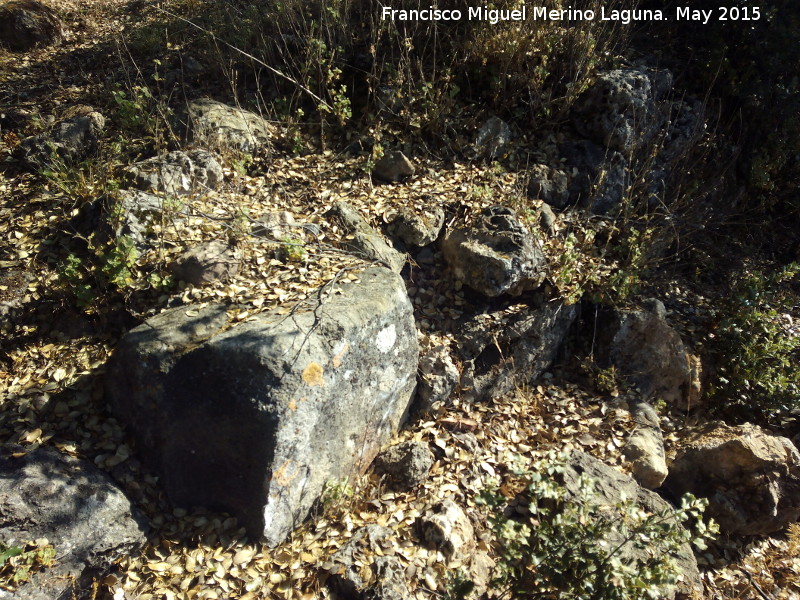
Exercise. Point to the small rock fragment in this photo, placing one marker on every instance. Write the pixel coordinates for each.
(393, 166)
(405, 465)
(206, 263)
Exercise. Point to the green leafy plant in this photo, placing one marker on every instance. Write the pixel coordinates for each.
(561, 545)
(18, 563)
(292, 250)
(758, 374)
(109, 267)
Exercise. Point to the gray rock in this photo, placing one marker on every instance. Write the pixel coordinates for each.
(386, 579)
(389, 580)
(136, 214)
(548, 219)
(224, 128)
(365, 242)
(276, 225)
(500, 351)
(371, 246)
(612, 487)
(78, 509)
(405, 465)
(497, 255)
(751, 477)
(619, 111)
(480, 573)
(550, 185)
(447, 527)
(177, 173)
(25, 24)
(393, 166)
(645, 448)
(206, 263)
(650, 354)
(684, 129)
(493, 138)
(417, 229)
(438, 377)
(601, 179)
(349, 218)
(255, 418)
(69, 141)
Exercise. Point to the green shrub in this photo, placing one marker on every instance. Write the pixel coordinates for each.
(566, 547)
(757, 375)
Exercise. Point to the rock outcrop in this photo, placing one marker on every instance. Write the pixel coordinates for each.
(177, 173)
(496, 255)
(363, 240)
(393, 166)
(25, 24)
(75, 507)
(504, 348)
(69, 141)
(255, 418)
(750, 477)
(645, 448)
(222, 128)
(207, 262)
(650, 354)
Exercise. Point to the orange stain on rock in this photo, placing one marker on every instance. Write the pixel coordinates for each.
(312, 375)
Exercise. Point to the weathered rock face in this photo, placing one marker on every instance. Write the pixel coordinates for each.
(504, 348)
(651, 355)
(405, 465)
(25, 24)
(602, 176)
(74, 505)
(223, 128)
(497, 255)
(417, 228)
(393, 166)
(550, 185)
(365, 241)
(70, 140)
(493, 137)
(177, 173)
(645, 448)
(255, 418)
(206, 263)
(447, 527)
(612, 487)
(750, 477)
(138, 214)
(619, 111)
(385, 578)
(438, 377)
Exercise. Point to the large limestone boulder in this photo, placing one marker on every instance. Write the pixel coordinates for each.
(25, 24)
(78, 509)
(255, 418)
(750, 477)
(496, 255)
(223, 128)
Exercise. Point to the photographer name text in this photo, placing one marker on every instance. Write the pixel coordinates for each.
(542, 13)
